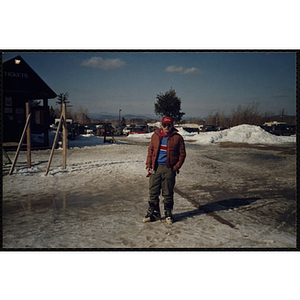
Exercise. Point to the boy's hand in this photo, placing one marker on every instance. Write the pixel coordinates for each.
(149, 172)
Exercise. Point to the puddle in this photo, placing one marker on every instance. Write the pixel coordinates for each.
(58, 202)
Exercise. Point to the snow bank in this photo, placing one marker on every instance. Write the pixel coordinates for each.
(85, 140)
(239, 134)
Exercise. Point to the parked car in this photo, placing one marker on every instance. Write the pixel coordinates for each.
(89, 129)
(281, 129)
(128, 129)
(222, 128)
(118, 130)
(291, 129)
(104, 129)
(191, 129)
(206, 128)
(266, 128)
(152, 128)
(138, 130)
(140, 126)
(285, 130)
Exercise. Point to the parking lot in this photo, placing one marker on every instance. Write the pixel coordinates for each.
(244, 196)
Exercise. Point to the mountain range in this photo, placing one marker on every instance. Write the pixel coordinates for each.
(112, 116)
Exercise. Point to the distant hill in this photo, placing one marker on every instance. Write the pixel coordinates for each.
(110, 116)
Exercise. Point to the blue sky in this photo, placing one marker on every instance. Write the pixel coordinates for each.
(205, 81)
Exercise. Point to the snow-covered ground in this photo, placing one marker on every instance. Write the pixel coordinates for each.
(246, 194)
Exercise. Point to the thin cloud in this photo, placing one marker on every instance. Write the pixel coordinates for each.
(104, 64)
(173, 69)
(181, 70)
(190, 70)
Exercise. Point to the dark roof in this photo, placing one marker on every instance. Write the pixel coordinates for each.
(20, 78)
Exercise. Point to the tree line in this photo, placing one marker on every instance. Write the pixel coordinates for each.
(79, 116)
(243, 115)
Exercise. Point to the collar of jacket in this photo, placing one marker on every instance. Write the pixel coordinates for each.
(157, 131)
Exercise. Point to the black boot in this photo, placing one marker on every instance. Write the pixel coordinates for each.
(153, 213)
(168, 213)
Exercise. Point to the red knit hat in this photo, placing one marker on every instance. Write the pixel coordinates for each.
(168, 120)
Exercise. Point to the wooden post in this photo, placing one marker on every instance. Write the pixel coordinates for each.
(46, 122)
(65, 136)
(105, 130)
(28, 137)
(54, 144)
(113, 139)
(20, 144)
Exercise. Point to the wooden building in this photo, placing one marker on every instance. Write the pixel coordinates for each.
(22, 84)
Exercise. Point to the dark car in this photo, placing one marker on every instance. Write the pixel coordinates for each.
(266, 128)
(191, 129)
(222, 128)
(291, 129)
(206, 128)
(153, 128)
(285, 130)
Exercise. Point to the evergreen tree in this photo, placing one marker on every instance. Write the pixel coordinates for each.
(169, 104)
(62, 98)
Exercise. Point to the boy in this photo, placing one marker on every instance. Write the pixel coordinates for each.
(166, 154)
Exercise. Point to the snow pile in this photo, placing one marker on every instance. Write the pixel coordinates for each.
(39, 138)
(81, 141)
(85, 140)
(239, 134)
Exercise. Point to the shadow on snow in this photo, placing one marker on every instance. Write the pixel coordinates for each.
(214, 207)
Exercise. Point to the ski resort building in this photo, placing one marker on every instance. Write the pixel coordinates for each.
(22, 84)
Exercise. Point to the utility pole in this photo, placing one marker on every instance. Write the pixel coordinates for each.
(120, 116)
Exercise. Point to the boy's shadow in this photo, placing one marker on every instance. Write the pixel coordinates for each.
(215, 206)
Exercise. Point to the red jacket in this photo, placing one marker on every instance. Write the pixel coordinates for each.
(175, 150)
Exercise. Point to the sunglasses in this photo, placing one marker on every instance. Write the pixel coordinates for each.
(166, 125)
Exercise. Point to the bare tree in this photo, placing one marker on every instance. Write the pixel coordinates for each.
(248, 115)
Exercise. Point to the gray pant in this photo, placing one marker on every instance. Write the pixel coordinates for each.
(163, 180)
